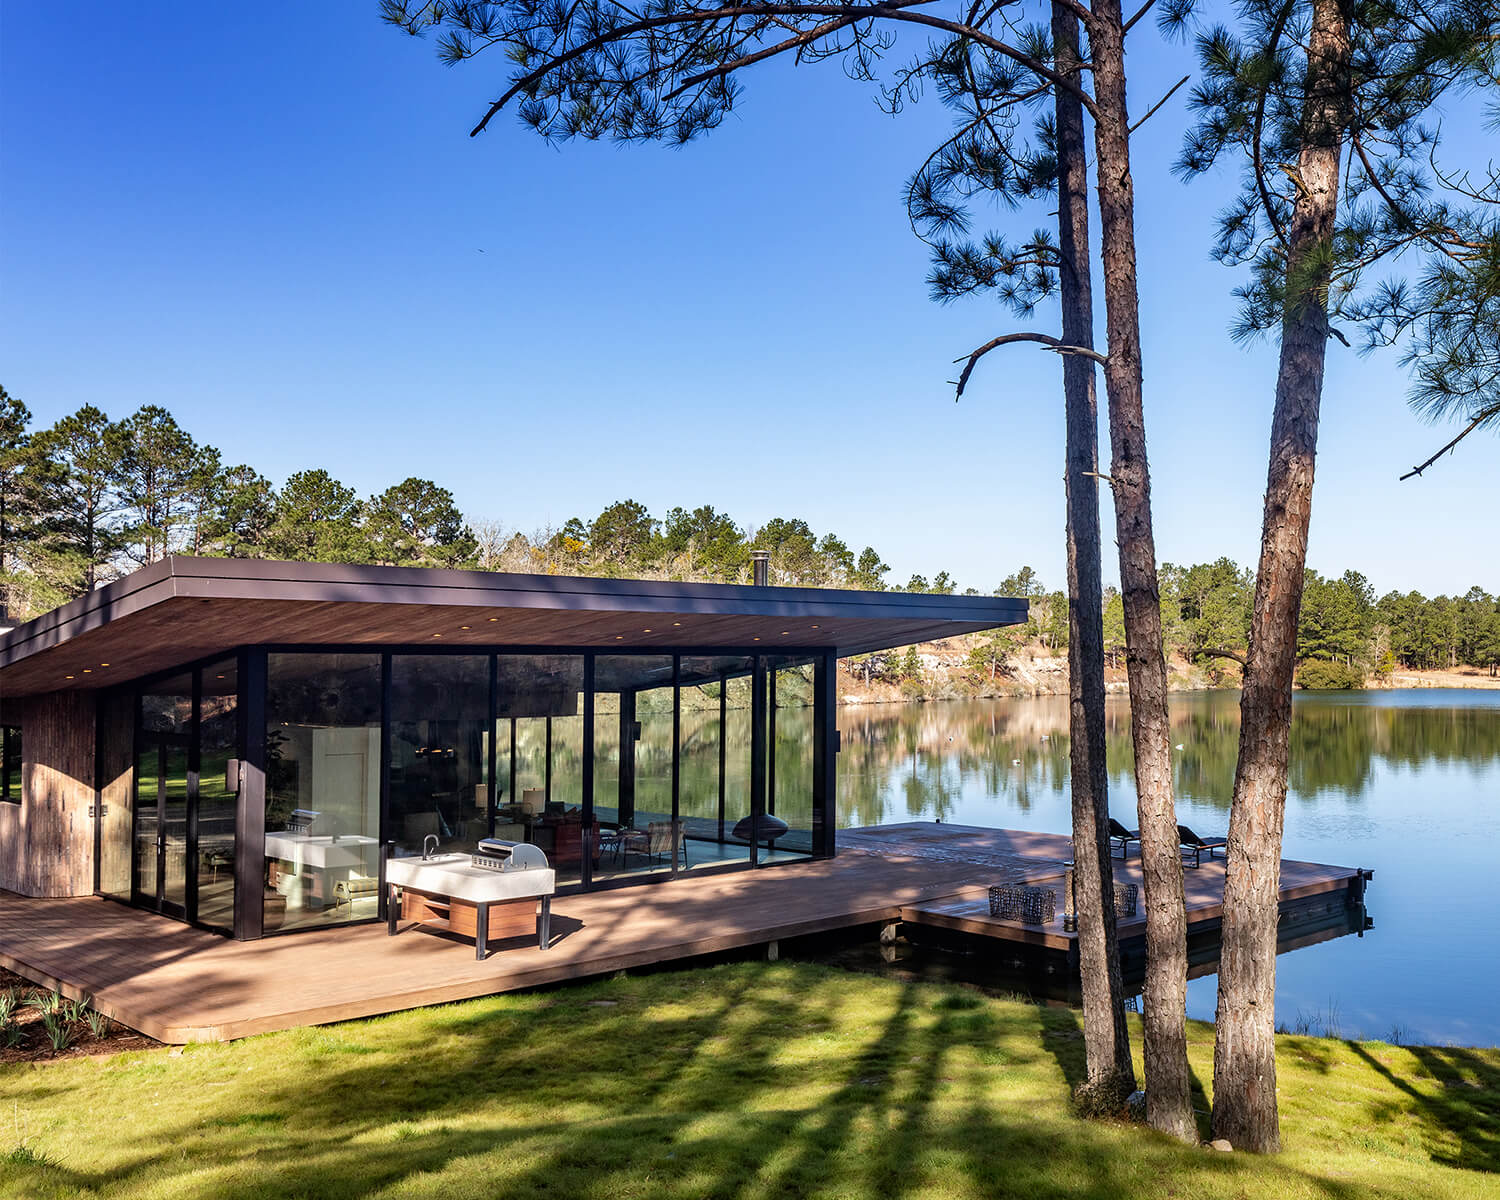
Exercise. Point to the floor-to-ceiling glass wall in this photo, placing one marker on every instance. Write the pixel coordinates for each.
(439, 765)
(162, 741)
(323, 770)
(634, 751)
(539, 756)
(443, 749)
(177, 787)
(790, 737)
(218, 793)
(714, 790)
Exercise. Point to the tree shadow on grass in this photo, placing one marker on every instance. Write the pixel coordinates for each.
(727, 1083)
(1465, 1104)
(1062, 1034)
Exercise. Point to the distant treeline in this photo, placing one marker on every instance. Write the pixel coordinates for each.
(1345, 632)
(1206, 615)
(91, 498)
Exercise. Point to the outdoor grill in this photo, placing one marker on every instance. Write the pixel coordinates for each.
(493, 854)
(301, 820)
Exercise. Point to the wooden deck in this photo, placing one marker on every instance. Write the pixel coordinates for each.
(179, 984)
(966, 910)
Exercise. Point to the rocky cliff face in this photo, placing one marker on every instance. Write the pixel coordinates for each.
(948, 670)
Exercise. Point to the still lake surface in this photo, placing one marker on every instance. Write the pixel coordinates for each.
(1406, 783)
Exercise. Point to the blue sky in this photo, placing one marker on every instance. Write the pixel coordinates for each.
(271, 220)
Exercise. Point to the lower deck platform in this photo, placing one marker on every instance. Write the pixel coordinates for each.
(179, 984)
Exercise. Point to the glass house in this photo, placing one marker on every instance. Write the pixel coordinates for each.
(243, 745)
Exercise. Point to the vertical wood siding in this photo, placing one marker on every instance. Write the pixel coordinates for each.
(47, 841)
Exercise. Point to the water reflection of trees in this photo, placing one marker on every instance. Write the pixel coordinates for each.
(903, 761)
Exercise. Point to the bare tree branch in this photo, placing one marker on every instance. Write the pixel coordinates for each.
(1468, 429)
(1139, 13)
(1159, 103)
(1056, 345)
(1221, 652)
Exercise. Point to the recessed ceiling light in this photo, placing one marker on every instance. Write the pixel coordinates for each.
(645, 631)
(67, 677)
(757, 639)
(619, 637)
(104, 664)
(814, 626)
(88, 670)
(676, 622)
(463, 626)
(437, 635)
(785, 632)
(494, 619)
(218, 677)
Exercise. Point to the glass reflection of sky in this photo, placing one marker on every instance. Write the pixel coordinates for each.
(1406, 783)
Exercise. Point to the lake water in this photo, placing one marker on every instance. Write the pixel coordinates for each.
(1406, 783)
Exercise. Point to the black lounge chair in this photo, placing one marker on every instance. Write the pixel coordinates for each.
(1118, 833)
(1192, 842)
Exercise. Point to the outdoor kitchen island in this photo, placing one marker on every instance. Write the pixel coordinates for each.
(492, 893)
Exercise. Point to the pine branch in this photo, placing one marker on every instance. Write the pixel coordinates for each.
(1159, 103)
(1468, 429)
(1221, 652)
(841, 15)
(1257, 161)
(1056, 345)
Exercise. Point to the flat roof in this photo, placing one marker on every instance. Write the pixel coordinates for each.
(185, 608)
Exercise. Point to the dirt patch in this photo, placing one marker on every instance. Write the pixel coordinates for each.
(1459, 677)
(24, 1037)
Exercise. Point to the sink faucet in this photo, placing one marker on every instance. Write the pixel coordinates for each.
(426, 852)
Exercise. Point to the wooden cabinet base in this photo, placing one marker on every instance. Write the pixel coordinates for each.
(482, 922)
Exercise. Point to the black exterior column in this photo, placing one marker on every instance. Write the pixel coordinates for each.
(625, 803)
(825, 754)
(676, 817)
(194, 769)
(723, 749)
(586, 867)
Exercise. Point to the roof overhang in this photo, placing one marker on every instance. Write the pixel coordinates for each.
(184, 608)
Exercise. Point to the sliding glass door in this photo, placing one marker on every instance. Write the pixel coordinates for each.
(162, 785)
(184, 819)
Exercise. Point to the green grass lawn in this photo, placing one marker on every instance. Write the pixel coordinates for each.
(752, 1080)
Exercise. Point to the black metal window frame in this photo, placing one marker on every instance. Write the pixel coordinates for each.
(251, 707)
(11, 774)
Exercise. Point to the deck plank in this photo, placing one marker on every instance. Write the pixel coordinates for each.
(179, 984)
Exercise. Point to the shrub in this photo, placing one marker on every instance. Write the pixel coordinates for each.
(1319, 675)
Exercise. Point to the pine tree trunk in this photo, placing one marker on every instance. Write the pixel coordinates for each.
(1245, 1042)
(1168, 1103)
(1106, 1038)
